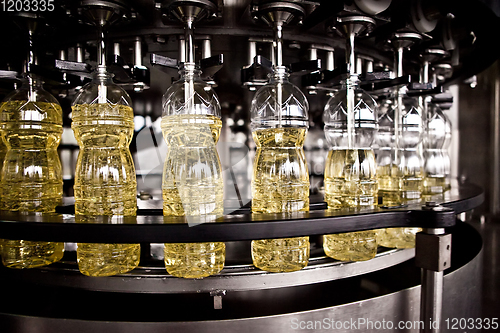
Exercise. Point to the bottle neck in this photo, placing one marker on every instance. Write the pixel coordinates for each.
(351, 82)
(33, 84)
(279, 74)
(102, 76)
(32, 81)
(102, 79)
(190, 70)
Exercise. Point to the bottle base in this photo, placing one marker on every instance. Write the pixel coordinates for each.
(400, 238)
(389, 198)
(194, 260)
(281, 255)
(20, 254)
(351, 246)
(107, 259)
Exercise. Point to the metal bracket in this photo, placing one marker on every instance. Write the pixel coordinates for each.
(209, 66)
(433, 252)
(217, 295)
(170, 63)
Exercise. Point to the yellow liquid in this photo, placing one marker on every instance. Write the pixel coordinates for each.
(400, 238)
(29, 254)
(351, 246)
(412, 188)
(31, 177)
(395, 190)
(280, 184)
(435, 185)
(3, 151)
(107, 259)
(193, 186)
(389, 185)
(350, 178)
(105, 183)
(350, 182)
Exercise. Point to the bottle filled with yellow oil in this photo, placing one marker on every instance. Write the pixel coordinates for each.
(435, 144)
(192, 176)
(389, 173)
(31, 176)
(350, 119)
(400, 164)
(105, 181)
(280, 182)
(3, 150)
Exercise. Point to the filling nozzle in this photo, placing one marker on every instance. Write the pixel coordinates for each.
(102, 89)
(350, 88)
(349, 51)
(101, 46)
(189, 39)
(189, 64)
(278, 43)
(278, 68)
(30, 61)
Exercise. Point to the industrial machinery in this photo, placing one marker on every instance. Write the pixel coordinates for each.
(236, 44)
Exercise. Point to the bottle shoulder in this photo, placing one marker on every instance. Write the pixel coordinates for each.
(36, 112)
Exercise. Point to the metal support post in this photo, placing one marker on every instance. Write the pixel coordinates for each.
(433, 256)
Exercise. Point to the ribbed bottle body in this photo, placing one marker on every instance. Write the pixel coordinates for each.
(280, 184)
(193, 187)
(105, 182)
(350, 118)
(31, 174)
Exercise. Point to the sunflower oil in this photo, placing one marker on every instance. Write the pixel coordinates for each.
(193, 187)
(31, 177)
(350, 182)
(397, 187)
(105, 183)
(280, 185)
(389, 185)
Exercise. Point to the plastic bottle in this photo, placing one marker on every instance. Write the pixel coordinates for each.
(192, 175)
(105, 182)
(435, 144)
(31, 178)
(280, 182)
(3, 150)
(389, 174)
(350, 119)
(401, 165)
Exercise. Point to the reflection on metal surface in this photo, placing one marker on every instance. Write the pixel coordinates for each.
(461, 296)
(154, 279)
(157, 229)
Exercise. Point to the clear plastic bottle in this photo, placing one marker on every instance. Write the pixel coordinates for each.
(192, 176)
(389, 175)
(444, 151)
(350, 168)
(105, 183)
(280, 182)
(401, 165)
(412, 162)
(435, 144)
(3, 151)
(31, 177)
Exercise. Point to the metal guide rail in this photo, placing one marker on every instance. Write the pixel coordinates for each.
(152, 278)
(149, 226)
(432, 253)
